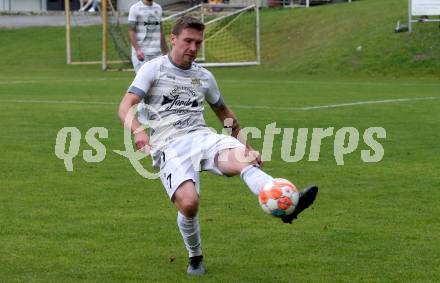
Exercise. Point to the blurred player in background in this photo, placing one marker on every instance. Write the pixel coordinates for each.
(145, 32)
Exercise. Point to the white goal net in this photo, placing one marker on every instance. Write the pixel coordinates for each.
(231, 35)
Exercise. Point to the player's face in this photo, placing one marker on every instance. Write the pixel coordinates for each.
(185, 46)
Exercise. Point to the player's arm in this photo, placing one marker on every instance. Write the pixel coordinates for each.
(226, 116)
(132, 35)
(128, 118)
(137, 91)
(221, 110)
(229, 120)
(163, 42)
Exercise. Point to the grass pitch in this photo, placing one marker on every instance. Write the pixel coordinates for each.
(374, 222)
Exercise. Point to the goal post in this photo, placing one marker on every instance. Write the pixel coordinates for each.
(88, 36)
(231, 37)
(68, 32)
(104, 35)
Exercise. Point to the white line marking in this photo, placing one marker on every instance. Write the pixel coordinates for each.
(59, 102)
(306, 108)
(365, 102)
(46, 80)
(360, 83)
(268, 82)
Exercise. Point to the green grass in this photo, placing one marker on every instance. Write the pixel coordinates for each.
(324, 40)
(102, 222)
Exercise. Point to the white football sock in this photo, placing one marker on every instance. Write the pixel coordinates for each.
(190, 230)
(255, 178)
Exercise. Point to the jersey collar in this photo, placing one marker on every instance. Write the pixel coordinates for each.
(176, 65)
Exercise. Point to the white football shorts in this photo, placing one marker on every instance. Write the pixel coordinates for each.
(138, 64)
(187, 156)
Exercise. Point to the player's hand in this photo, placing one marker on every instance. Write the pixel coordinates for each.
(141, 141)
(140, 55)
(254, 154)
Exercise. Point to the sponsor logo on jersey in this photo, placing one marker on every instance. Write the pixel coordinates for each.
(185, 123)
(151, 24)
(180, 99)
(195, 81)
(182, 90)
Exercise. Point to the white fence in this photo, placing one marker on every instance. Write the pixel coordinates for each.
(23, 5)
(42, 5)
(124, 5)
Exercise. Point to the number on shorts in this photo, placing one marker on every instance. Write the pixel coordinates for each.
(169, 180)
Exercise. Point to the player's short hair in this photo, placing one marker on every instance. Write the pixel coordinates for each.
(187, 22)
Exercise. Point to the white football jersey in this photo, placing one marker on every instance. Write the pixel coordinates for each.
(147, 19)
(174, 98)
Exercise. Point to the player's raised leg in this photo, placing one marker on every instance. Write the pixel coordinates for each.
(236, 161)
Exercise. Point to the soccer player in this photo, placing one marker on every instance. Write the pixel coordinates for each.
(175, 89)
(145, 32)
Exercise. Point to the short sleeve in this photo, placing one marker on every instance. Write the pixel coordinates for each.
(144, 80)
(132, 17)
(160, 13)
(213, 95)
